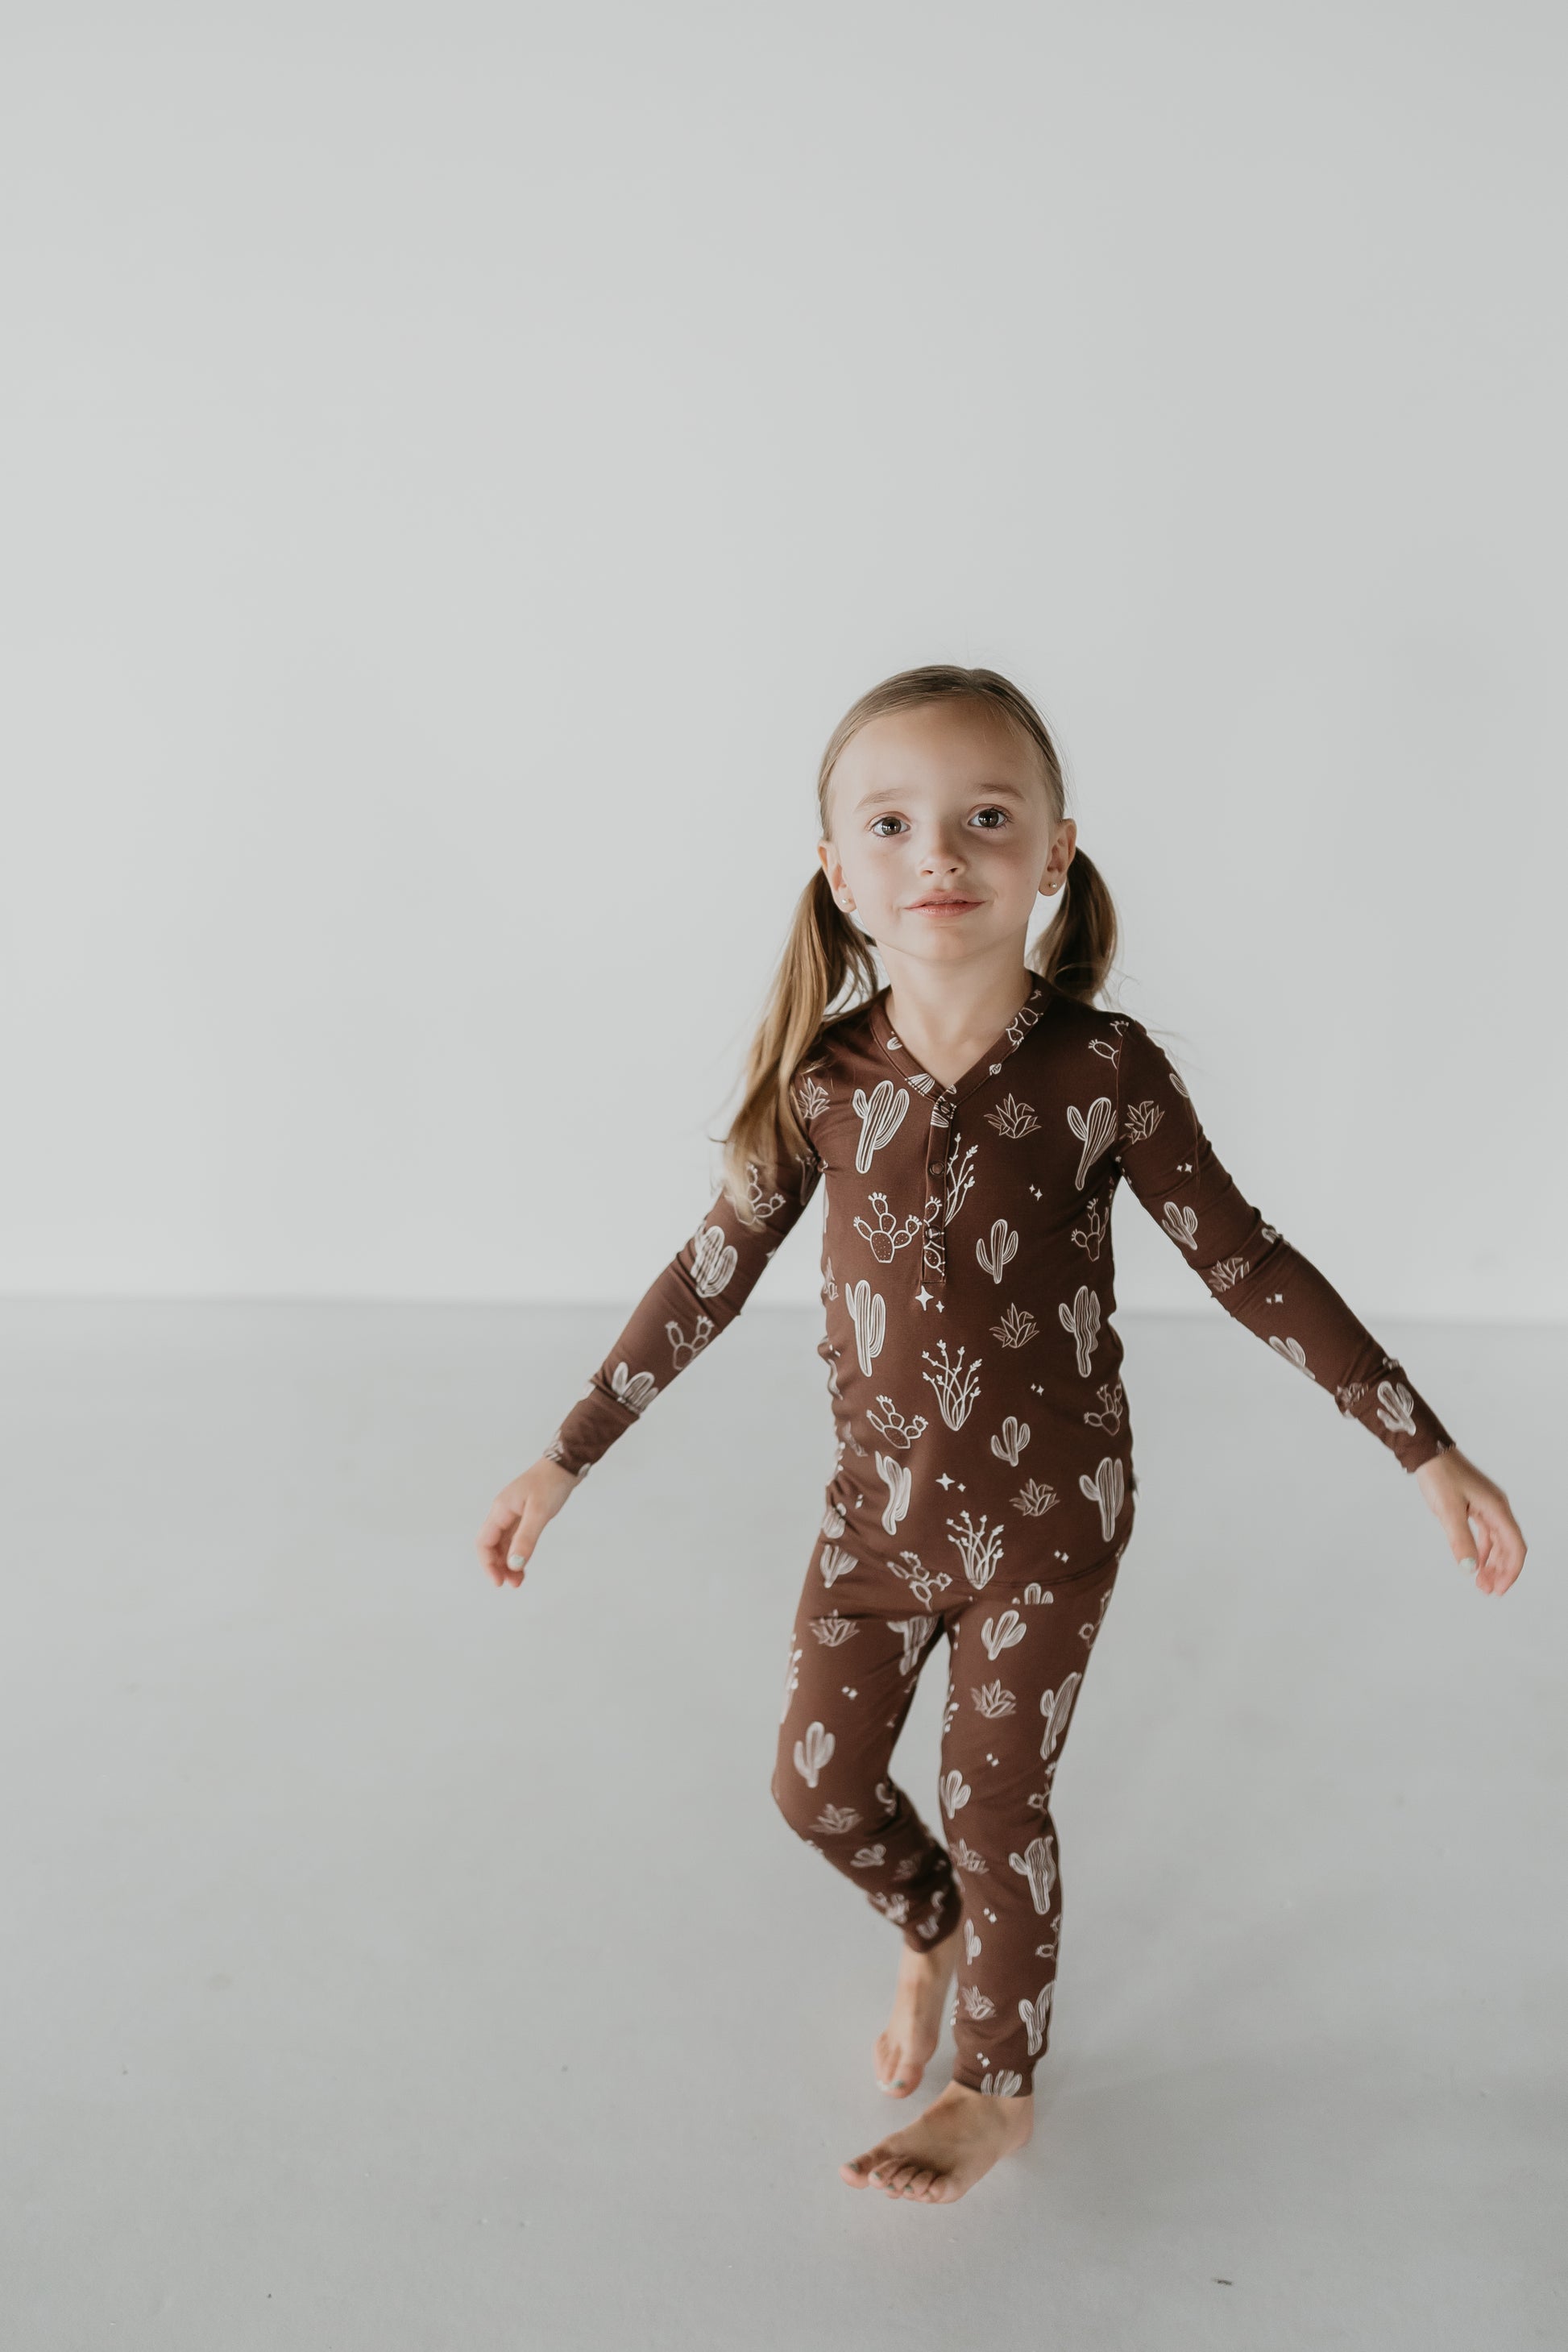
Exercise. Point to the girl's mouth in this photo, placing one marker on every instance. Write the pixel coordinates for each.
(943, 906)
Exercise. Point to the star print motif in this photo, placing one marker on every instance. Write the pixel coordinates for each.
(925, 1295)
(944, 1482)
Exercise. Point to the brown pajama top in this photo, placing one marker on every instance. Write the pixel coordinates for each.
(984, 1460)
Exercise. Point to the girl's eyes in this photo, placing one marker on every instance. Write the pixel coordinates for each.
(986, 811)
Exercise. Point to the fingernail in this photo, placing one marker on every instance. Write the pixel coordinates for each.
(1466, 1563)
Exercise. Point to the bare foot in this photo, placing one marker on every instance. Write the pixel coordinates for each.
(945, 2150)
(908, 2042)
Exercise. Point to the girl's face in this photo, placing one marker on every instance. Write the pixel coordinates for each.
(941, 832)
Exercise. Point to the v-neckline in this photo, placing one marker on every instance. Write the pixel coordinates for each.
(986, 1065)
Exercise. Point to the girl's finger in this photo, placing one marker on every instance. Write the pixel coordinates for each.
(520, 1549)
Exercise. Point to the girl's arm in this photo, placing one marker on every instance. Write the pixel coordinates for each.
(1266, 1283)
(686, 1307)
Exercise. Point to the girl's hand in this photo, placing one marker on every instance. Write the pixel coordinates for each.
(1463, 1496)
(517, 1516)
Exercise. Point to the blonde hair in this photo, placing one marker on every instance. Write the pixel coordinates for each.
(825, 951)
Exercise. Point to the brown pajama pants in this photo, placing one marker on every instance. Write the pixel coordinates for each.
(1016, 1656)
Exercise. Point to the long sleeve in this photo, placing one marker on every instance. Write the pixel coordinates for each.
(695, 1299)
(1250, 1268)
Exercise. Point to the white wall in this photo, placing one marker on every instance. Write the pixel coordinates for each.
(461, 460)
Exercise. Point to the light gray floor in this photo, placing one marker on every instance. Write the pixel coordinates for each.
(395, 1963)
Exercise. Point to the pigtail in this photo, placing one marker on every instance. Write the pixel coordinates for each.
(823, 953)
(1076, 952)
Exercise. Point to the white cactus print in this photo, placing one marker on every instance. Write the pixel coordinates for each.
(1038, 1865)
(971, 1944)
(1003, 1248)
(925, 1584)
(1056, 1707)
(932, 1928)
(833, 1520)
(915, 1632)
(960, 1177)
(1034, 1499)
(813, 1752)
(1111, 1398)
(1082, 1319)
(1011, 1444)
(886, 1235)
(1087, 1632)
(836, 1562)
(1393, 1406)
(893, 1425)
(881, 1113)
(1014, 1118)
(834, 1630)
(1004, 2083)
(762, 1204)
(1293, 1353)
(870, 1316)
(1094, 1129)
(991, 1701)
(956, 1793)
(956, 1389)
(1107, 1487)
(681, 1349)
(1140, 1121)
(1017, 1329)
(980, 1551)
(714, 1261)
(895, 1475)
(1181, 1225)
(897, 1906)
(834, 1820)
(886, 1797)
(811, 1100)
(792, 1676)
(977, 2003)
(636, 1388)
(1003, 1632)
(868, 1857)
(1095, 1228)
(965, 1858)
(1033, 2014)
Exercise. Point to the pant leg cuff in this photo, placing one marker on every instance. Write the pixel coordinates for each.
(1001, 2082)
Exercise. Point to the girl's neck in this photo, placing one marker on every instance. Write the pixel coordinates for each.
(947, 1019)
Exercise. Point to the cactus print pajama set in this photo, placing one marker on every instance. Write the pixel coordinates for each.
(982, 1490)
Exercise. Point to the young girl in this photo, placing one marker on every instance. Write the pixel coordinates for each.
(969, 1123)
